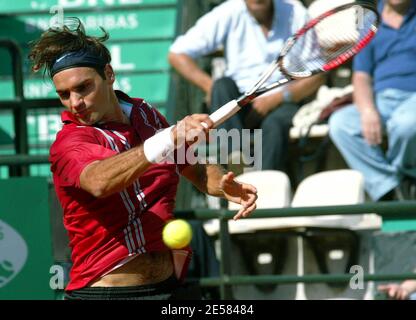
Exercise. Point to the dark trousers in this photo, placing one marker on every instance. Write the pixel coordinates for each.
(204, 262)
(275, 126)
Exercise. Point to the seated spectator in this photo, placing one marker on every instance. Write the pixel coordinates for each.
(251, 33)
(384, 81)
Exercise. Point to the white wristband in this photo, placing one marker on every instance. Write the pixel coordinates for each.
(158, 147)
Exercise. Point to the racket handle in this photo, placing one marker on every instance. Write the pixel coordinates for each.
(224, 113)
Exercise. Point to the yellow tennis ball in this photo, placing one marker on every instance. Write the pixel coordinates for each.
(177, 234)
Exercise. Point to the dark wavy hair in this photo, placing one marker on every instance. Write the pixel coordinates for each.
(70, 37)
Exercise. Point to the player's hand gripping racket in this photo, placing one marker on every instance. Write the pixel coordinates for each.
(324, 43)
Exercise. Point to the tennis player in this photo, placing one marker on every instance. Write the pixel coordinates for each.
(112, 177)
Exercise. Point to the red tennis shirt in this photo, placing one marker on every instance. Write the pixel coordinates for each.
(105, 232)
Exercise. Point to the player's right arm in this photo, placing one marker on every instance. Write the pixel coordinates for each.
(113, 174)
(102, 178)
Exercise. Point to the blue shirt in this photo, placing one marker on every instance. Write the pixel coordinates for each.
(248, 52)
(390, 58)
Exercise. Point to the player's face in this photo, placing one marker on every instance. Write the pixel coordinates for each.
(260, 9)
(85, 93)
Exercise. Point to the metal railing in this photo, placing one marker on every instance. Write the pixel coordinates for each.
(387, 210)
(19, 105)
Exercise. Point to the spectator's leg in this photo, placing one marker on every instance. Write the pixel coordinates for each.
(275, 136)
(345, 131)
(223, 91)
(401, 128)
(204, 261)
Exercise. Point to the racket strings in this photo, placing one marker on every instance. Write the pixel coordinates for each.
(335, 36)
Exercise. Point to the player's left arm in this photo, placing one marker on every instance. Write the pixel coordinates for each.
(213, 180)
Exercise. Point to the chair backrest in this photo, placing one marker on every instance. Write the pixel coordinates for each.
(334, 187)
(331, 188)
(273, 188)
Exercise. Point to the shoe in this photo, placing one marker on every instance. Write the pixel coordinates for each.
(389, 196)
(411, 188)
(406, 190)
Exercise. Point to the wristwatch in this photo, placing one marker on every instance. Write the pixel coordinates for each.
(287, 95)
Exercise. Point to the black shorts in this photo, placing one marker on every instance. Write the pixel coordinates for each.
(169, 289)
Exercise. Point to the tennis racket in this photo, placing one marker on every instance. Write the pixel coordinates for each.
(322, 44)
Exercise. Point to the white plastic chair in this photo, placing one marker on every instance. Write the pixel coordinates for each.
(273, 188)
(334, 187)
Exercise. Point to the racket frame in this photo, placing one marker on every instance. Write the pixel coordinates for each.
(229, 109)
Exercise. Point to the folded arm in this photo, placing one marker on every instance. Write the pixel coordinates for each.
(364, 99)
